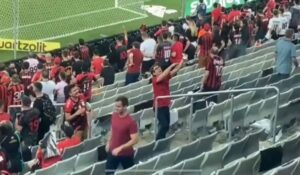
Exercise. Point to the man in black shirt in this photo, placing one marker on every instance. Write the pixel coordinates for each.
(108, 73)
(28, 122)
(38, 104)
(77, 65)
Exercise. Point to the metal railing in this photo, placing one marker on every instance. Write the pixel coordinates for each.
(192, 95)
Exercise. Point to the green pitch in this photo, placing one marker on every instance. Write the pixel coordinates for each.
(65, 21)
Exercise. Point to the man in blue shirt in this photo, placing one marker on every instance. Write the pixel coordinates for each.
(285, 55)
(201, 9)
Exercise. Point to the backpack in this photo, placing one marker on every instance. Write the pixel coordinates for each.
(295, 20)
(49, 111)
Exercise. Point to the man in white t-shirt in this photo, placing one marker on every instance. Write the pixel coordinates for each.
(275, 26)
(48, 85)
(284, 22)
(60, 89)
(33, 62)
(148, 49)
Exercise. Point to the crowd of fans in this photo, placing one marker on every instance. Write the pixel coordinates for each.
(31, 91)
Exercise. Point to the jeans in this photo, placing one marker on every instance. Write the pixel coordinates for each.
(131, 78)
(163, 117)
(146, 66)
(282, 76)
(113, 162)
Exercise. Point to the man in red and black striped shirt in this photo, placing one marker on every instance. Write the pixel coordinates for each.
(25, 76)
(84, 50)
(205, 42)
(15, 91)
(213, 72)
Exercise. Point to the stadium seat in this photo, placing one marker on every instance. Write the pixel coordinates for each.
(106, 109)
(238, 118)
(253, 113)
(146, 89)
(147, 96)
(216, 113)
(187, 151)
(199, 120)
(46, 171)
(297, 169)
(243, 99)
(206, 142)
(99, 168)
(249, 166)
(135, 99)
(291, 148)
(246, 85)
(235, 74)
(192, 166)
(178, 102)
(110, 93)
(253, 142)
(166, 159)
(137, 116)
(128, 171)
(71, 151)
(144, 152)
(90, 144)
(66, 166)
(286, 169)
(213, 160)
(174, 170)
(296, 93)
(85, 171)
(268, 107)
(198, 105)
(147, 117)
(86, 158)
(163, 145)
(184, 113)
(146, 168)
(227, 170)
(109, 101)
(285, 96)
(263, 81)
(229, 84)
(235, 151)
(120, 76)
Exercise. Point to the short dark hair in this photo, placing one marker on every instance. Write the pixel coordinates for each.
(154, 65)
(2, 67)
(123, 100)
(81, 41)
(68, 129)
(40, 66)
(215, 5)
(164, 23)
(120, 38)
(25, 65)
(96, 52)
(45, 74)
(62, 75)
(85, 66)
(136, 45)
(26, 101)
(165, 35)
(201, 1)
(38, 86)
(176, 36)
(234, 7)
(69, 88)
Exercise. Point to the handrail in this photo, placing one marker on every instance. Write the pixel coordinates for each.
(273, 130)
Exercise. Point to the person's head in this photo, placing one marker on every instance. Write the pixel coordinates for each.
(144, 36)
(289, 33)
(175, 37)
(96, 52)
(81, 41)
(164, 23)
(143, 28)
(165, 35)
(37, 87)
(121, 104)
(15, 79)
(275, 12)
(25, 65)
(216, 5)
(6, 128)
(297, 2)
(76, 54)
(201, 1)
(25, 101)
(281, 11)
(74, 91)
(67, 129)
(40, 66)
(65, 53)
(62, 76)
(85, 66)
(45, 75)
(2, 67)
(136, 45)
(156, 70)
(214, 51)
(48, 58)
(57, 61)
(234, 7)
(120, 40)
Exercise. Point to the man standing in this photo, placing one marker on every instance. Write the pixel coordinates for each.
(163, 52)
(48, 85)
(177, 50)
(97, 63)
(205, 42)
(161, 87)
(134, 62)
(47, 111)
(148, 50)
(213, 72)
(84, 50)
(76, 112)
(285, 55)
(201, 9)
(124, 135)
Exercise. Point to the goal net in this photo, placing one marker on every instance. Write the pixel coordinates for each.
(56, 19)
